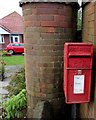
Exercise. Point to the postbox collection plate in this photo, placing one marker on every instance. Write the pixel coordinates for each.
(78, 58)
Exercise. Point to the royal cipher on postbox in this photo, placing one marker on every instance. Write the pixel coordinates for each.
(78, 58)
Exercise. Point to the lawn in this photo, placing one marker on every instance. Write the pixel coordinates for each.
(14, 60)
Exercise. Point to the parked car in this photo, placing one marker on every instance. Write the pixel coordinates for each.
(15, 48)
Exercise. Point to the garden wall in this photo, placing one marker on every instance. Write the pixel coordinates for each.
(88, 110)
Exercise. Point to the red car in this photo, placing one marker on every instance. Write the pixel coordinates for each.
(15, 48)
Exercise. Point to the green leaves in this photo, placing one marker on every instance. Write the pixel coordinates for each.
(4, 53)
(17, 83)
(2, 70)
(14, 106)
(17, 91)
(79, 24)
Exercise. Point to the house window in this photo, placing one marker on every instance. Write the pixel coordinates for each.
(14, 38)
(2, 39)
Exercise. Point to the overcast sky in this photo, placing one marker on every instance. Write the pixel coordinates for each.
(9, 6)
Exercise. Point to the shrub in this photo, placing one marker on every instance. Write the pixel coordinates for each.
(17, 83)
(4, 53)
(13, 107)
(2, 70)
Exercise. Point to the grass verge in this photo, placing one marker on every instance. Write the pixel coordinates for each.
(14, 60)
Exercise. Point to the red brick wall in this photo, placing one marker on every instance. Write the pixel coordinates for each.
(89, 35)
(47, 26)
(21, 38)
(88, 23)
(7, 41)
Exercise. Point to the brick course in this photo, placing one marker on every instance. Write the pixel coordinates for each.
(88, 110)
(47, 26)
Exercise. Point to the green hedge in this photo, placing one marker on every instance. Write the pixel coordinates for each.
(2, 70)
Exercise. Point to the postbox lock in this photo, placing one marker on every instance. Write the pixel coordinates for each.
(79, 71)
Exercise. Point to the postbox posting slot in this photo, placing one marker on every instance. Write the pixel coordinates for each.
(74, 54)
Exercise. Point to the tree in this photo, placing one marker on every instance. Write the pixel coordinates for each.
(79, 23)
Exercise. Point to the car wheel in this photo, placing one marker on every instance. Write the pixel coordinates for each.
(11, 51)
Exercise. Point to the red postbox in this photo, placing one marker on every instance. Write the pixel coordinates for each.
(78, 59)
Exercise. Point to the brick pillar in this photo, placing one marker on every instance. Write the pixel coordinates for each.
(47, 26)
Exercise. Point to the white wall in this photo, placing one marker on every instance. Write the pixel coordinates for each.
(2, 31)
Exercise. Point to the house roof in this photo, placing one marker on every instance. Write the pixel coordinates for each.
(13, 23)
(3, 30)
